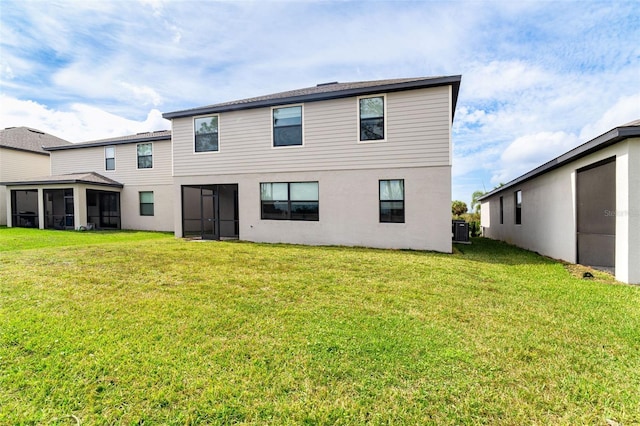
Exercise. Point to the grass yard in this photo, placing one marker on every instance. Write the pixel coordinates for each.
(141, 328)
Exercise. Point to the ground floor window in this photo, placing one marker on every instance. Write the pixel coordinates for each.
(392, 201)
(289, 201)
(103, 209)
(518, 206)
(24, 208)
(58, 209)
(146, 203)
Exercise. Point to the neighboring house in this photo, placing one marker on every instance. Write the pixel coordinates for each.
(111, 183)
(366, 164)
(22, 156)
(582, 207)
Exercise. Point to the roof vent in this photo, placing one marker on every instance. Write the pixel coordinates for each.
(326, 84)
(36, 131)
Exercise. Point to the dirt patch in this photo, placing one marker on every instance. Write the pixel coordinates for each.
(588, 273)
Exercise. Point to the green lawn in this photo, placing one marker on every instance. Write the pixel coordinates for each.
(141, 328)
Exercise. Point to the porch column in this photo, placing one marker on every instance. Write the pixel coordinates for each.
(79, 206)
(41, 218)
(9, 216)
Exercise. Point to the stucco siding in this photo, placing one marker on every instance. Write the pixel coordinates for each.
(418, 134)
(349, 208)
(549, 211)
(92, 159)
(15, 166)
(628, 213)
(162, 219)
(634, 210)
(3, 206)
(547, 217)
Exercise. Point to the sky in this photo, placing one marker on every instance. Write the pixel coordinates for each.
(538, 77)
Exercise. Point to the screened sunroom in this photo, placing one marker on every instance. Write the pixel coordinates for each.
(74, 201)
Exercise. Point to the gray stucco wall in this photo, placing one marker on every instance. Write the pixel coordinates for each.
(349, 208)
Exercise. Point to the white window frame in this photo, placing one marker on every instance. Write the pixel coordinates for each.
(114, 158)
(140, 203)
(386, 117)
(301, 125)
(193, 132)
(153, 163)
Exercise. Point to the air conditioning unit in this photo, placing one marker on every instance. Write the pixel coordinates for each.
(460, 231)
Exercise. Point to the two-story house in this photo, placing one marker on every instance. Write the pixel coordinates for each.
(114, 183)
(22, 156)
(365, 163)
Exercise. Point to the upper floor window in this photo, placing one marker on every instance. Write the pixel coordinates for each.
(371, 116)
(206, 134)
(287, 126)
(146, 203)
(109, 157)
(145, 155)
(289, 201)
(392, 201)
(518, 206)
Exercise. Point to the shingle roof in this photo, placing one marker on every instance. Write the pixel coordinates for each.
(91, 178)
(28, 139)
(326, 91)
(137, 138)
(615, 135)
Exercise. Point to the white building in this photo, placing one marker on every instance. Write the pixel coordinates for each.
(582, 207)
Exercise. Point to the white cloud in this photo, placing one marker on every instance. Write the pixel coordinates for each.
(497, 79)
(79, 123)
(529, 151)
(532, 150)
(156, 5)
(144, 94)
(6, 72)
(625, 110)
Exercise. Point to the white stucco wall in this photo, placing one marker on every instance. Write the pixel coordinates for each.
(549, 211)
(628, 213)
(162, 219)
(349, 208)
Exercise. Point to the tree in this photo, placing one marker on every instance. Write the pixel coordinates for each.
(475, 203)
(458, 207)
